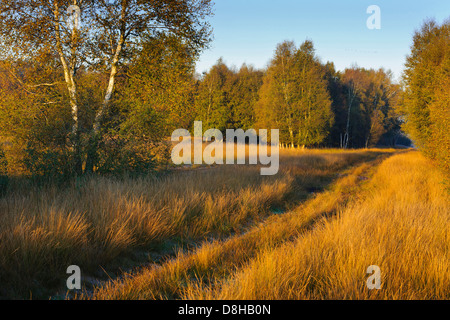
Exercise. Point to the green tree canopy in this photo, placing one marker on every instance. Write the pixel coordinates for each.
(294, 96)
(426, 91)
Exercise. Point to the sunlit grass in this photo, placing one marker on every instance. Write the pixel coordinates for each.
(182, 276)
(97, 222)
(400, 223)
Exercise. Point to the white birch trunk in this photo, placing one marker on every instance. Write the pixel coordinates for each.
(68, 72)
(112, 75)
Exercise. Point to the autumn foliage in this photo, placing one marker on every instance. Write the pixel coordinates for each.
(426, 101)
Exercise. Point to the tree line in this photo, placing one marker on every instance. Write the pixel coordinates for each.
(311, 103)
(425, 101)
(158, 91)
(105, 97)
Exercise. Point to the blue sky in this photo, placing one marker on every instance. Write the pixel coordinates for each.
(247, 31)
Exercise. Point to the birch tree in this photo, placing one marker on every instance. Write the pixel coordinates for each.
(294, 96)
(99, 35)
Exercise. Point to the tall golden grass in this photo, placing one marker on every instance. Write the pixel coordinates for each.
(400, 223)
(214, 260)
(101, 222)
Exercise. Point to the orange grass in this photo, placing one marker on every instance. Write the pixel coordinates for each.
(100, 222)
(400, 223)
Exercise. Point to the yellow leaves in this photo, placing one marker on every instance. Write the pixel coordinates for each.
(427, 80)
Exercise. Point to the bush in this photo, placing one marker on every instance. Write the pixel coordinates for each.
(119, 156)
(48, 163)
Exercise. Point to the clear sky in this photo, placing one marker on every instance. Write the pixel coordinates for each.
(247, 31)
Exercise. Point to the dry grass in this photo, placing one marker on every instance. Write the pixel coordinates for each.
(190, 273)
(104, 222)
(401, 223)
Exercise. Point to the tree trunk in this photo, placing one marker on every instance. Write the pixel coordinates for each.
(291, 134)
(72, 89)
(91, 153)
(351, 95)
(95, 136)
